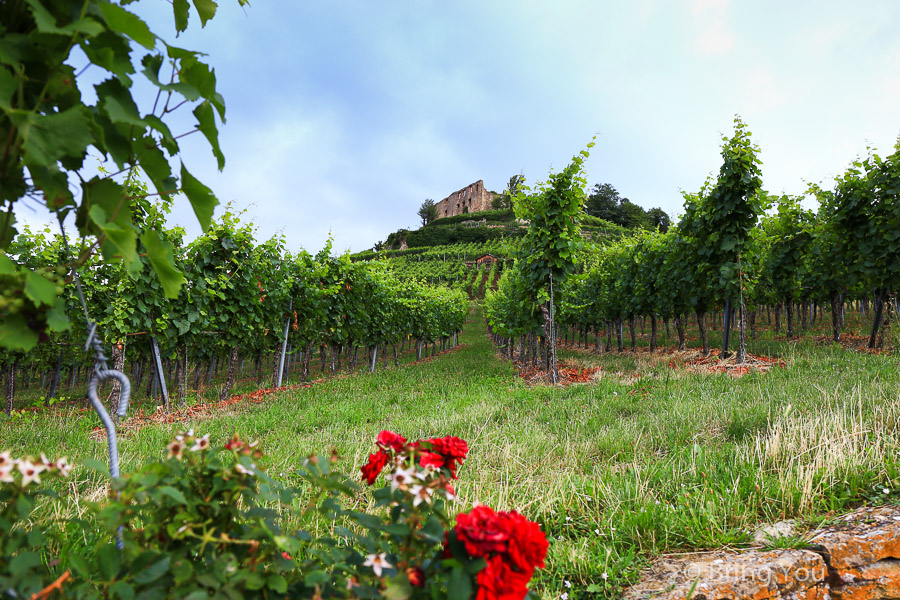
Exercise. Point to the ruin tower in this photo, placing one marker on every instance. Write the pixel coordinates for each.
(470, 199)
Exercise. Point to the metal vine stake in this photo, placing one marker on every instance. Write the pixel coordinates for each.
(101, 372)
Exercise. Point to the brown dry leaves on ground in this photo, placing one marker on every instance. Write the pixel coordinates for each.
(693, 361)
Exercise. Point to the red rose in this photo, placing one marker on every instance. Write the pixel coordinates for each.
(527, 543)
(452, 451)
(482, 531)
(497, 581)
(389, 439)
(373, 468)
(431, 459)
(453, 447)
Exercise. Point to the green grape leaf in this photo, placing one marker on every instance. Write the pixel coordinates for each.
(47, 24)
(39, 289)
(206, 123)
(128, 23)
(57, 319)
(159, 252)
(207, 10)
(201, 197)
(9, 83)
(16, 335)
(155, 165)
(120, 241)
(181, 8)
(108, 195)
(7, 266)
(116, 101)
(49, 138)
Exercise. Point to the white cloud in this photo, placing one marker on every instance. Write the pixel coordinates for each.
(710, 32)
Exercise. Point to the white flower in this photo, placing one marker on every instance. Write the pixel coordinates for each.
(567, 583)
(568, 518)
(30, 472)
(377, 562)
(402, 477)
(63, 466)
(242, 469)
(6, 475)
(564, 596)
(421, 493)
(597, 531)
(604, 576)
(6, 460)
(176, 448)
(201, 443)
(887, 491)
(426, 472)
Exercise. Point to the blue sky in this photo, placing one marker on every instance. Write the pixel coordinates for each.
(344, 115)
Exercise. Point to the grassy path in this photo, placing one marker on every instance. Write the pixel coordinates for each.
(616, 471)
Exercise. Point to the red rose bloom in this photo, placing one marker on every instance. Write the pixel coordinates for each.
(450, 446)
(512, 545)
(450, 452)
(389, 439)
(497, 581)
(482, 531)
(373, 468)
(431, 459)
(527, 543)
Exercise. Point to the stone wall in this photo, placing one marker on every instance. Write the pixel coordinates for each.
(472, 198)
(856, 559)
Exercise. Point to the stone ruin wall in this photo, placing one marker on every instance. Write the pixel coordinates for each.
(857, 558)
(472, 197)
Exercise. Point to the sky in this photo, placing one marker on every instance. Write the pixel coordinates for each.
(344, 115)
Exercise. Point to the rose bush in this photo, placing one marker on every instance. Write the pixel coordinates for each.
(209, 522)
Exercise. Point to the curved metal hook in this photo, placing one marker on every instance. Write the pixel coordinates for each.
(125, 395)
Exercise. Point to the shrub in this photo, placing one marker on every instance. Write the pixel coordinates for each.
(208, 522)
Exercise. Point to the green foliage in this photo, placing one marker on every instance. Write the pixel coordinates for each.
(209, 521)
(440, 235)
(48, 128)
(724, 217)
(553, 212)
(604, 202)
(428, 212)
(504, 215)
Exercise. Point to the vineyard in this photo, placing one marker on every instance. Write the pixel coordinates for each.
(727, 258)
(524, 402)
(243, 302)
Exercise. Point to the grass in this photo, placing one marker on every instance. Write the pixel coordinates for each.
(643, 461)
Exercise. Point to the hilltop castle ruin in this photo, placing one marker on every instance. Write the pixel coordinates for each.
(472, 198)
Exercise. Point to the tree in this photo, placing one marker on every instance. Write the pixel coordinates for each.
(428, 212)
(48, 128)
(504, 201)
(603, 202)
(632, 216)
(658, 219)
